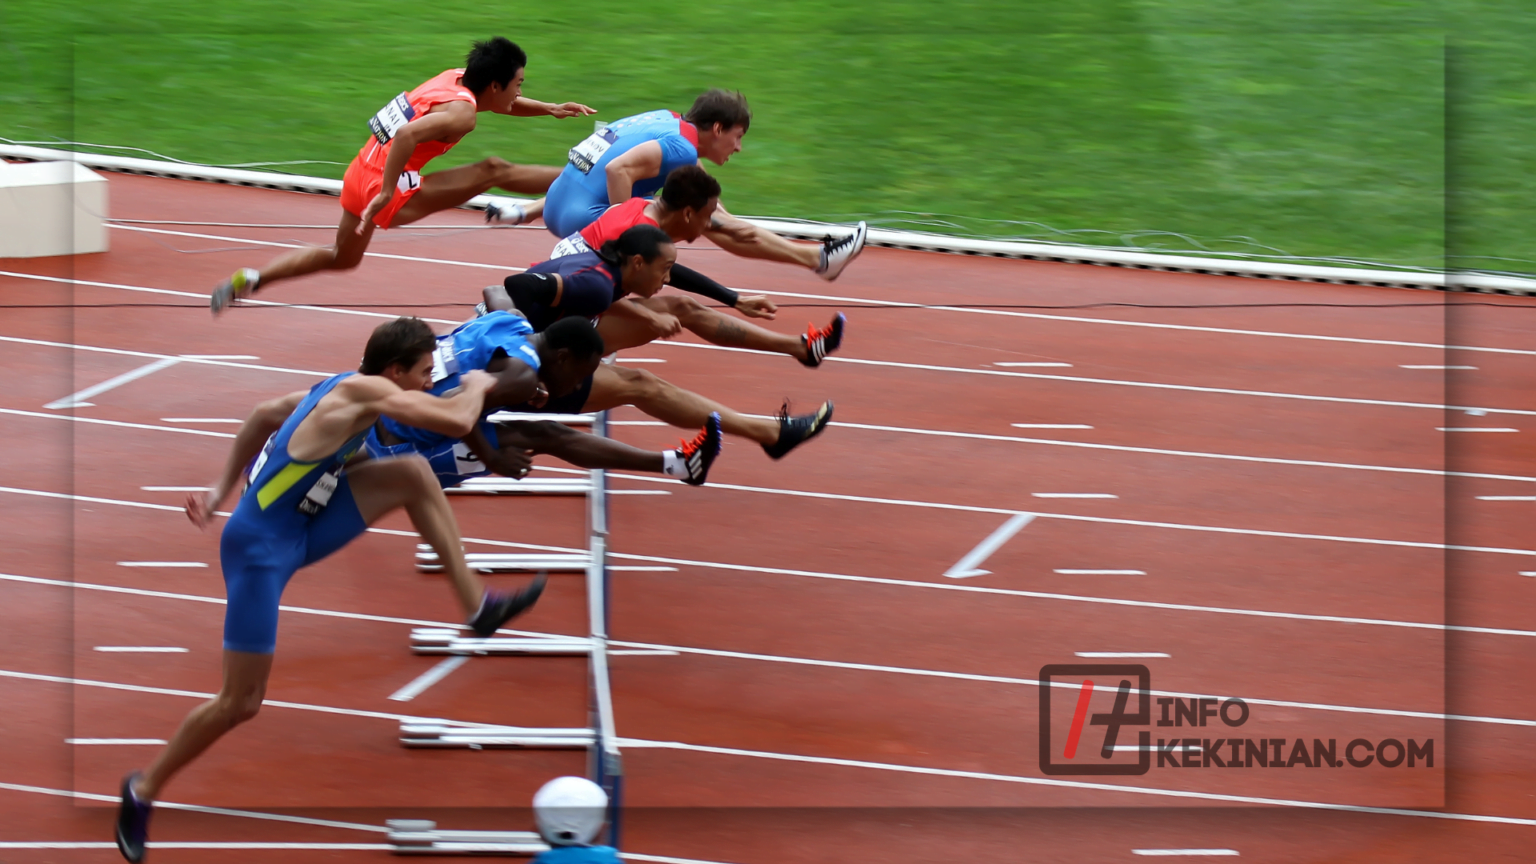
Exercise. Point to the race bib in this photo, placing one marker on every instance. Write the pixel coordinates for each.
(588, 152)
(409, 181)
(444, 361)
(396, 113)
(319, 494)
(466, 463)
(572, 245)
(261, 460)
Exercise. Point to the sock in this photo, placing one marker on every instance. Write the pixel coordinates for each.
(673, 465)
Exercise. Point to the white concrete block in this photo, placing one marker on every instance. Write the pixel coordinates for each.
(51, 208)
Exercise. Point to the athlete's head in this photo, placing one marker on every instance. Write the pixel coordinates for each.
(401, 350)
(722, 117)
(570, 353)
(691, 194)
(644, 256)
(493, 71)
(569, 811)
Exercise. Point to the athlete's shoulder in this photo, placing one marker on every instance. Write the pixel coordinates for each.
(446, 83)
(365, 388)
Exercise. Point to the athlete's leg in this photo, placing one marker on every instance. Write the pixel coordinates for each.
(384, 485)
(578, 448)
(769, 246)
(344, 254)
(613, 386)
(620, 332)
(444, 190)
(239, 698)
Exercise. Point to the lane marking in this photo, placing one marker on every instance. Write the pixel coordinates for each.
(1182, 852)
(114, 741)
(428, 678)
(161, 564)
(639, 743)
(1014, 365)
(77, 400)
(221, 356)
(1407, 366)
(1106, 655)
(645, 569)
(771, 658)
(199, 420)
(139, 649)
(1101, 572)
(1506, 497)
(1528, 572)
(1473, 429)
(196, 808)
(1073, 495)
(181, 844)
(175, 488)
(966, 567)
(1049, 426)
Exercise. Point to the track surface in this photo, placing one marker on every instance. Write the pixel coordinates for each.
(1300, 524)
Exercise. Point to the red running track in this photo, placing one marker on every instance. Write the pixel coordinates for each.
(1289, 526)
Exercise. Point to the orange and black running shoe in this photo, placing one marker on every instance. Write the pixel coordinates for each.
(700, 453)
(821, 341)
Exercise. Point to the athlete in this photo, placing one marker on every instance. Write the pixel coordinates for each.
(302, 502)
(630, 158)
(682, 212)
(528, 368)
(384, 186)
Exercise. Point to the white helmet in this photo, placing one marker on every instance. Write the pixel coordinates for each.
(570, 811)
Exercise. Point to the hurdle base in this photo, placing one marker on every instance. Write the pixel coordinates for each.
(526, 486)
(442, 734)
(423, 837)
(440, 640)
(509, 562)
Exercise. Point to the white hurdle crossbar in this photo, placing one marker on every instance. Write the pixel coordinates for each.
(599, 737)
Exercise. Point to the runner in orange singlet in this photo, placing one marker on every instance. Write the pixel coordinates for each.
(384, 186)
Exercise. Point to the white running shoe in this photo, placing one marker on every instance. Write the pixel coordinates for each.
(836, 253)
(505, 213)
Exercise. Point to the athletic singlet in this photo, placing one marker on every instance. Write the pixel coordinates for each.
(472, 345)
(402, 109)
(678, 138)
(589, 286)
(615, 221)
(281, 486)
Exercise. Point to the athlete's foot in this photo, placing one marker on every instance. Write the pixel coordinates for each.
(235, 287)
(700, 453)
(796, 430)
(837, 252)
(821, 341)
(499, 607)
(132, 822)
(505, 213)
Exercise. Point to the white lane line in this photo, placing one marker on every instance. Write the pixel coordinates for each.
(124, 741)
(1407, 366)
(1474, 429)
(643, 653)
(199, 420)
(1506, 497)
(640, 743)
(1050, 426)
(1173, 853)
(1528, 572)
(1073, 495)
(772, 658)
(175, 488)
(1110, 655)
(966, 567)
(1006, 313)
(139, 649)
(221, 356)
(1101, 572)
(161, 564)
(1015, 365)
(196, 808)
(428, 678)
(77, 400)
(186, 844)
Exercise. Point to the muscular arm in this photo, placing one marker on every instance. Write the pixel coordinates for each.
(449, 121)
(507, 463)
(641, 162)
(525, 107)
(526, 292)
(267, 418)
(453, 416)
(516, 382)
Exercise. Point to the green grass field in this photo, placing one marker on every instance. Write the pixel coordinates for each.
(1311, 127)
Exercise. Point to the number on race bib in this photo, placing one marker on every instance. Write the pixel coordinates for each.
(588, 152)
(444, 361)
(396, 113)
(261, 459)
(466, 463)
(319, 494)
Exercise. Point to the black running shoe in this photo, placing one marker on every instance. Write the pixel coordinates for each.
(821, 341)
(132, 822)
(499, 607)
(794, 431)
(700, 453)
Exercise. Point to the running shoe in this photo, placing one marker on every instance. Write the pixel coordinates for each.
(499, 607)
(700, 453)
(232, 289)
(480, 310)
(836, 253)
(821, 341)
(132, 822)
(505, 213)
(794, 431)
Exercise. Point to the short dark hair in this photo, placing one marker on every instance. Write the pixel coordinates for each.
(575, 334)
(689, 186)
(643, 240)
(402, 341)
(726, 107)
(494, 61)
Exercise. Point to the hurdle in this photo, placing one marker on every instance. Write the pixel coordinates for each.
(598, 738)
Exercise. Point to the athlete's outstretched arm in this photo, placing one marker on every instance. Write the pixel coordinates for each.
(267, 418)
(453, 416)
(641, 162)
(508, 461)
(525, 107)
